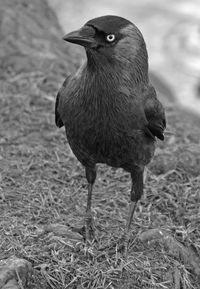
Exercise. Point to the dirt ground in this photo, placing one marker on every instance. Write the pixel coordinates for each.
(43, 187)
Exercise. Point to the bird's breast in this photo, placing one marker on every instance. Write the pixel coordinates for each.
(104, 139)
(104, 126)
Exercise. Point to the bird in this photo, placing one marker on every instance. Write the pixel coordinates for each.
(109, 107)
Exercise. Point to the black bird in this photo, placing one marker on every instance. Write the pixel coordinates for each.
(109, 108)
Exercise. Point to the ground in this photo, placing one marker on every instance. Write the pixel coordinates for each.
(43, 185)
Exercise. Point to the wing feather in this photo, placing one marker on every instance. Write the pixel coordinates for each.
(155, 115)
(58, 119)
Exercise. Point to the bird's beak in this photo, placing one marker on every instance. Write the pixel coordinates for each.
(84, 36)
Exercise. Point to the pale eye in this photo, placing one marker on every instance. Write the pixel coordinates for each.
(110, 37)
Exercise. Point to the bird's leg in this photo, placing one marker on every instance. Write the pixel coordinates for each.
(130, 215)
(136, 193)
(89, 227)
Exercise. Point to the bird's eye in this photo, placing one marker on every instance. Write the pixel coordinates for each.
(110, 37)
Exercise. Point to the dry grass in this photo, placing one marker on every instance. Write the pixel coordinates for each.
(42, 184)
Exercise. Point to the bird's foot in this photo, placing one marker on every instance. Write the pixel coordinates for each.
(120, 245)
(89, 228)
(126, 243)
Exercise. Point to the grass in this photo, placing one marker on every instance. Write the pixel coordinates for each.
(43, 187)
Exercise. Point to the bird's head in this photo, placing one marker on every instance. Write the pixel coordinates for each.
(111, 39)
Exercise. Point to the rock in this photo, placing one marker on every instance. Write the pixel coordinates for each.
(14, 273)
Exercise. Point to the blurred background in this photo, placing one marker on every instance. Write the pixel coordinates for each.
(171, 30)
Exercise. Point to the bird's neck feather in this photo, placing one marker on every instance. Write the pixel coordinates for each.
(109, 82)
(115, 69)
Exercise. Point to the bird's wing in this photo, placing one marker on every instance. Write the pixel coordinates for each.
(58, 119)
(155, 115)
